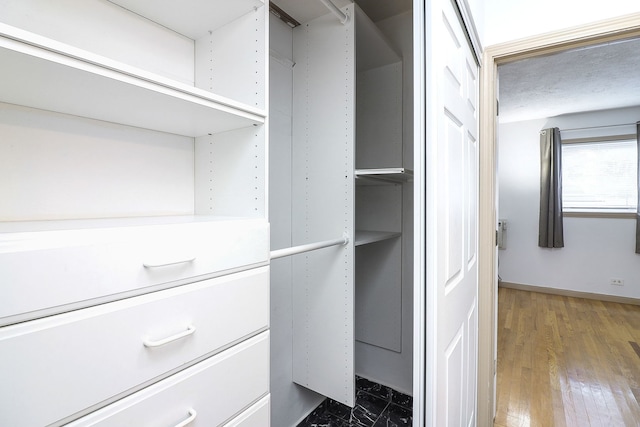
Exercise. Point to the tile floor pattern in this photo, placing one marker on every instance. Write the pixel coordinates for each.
(376, 406)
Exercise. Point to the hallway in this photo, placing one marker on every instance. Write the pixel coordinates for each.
(566, 361)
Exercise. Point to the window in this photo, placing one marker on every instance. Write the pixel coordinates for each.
(600, 176)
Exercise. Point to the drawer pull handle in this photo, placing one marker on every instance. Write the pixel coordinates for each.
(192, 416)
(165, 263)
(150, 343)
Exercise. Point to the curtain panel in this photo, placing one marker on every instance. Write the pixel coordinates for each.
(638, 179)
(550, 232)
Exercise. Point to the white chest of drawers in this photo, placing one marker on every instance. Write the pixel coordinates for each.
(69, 364)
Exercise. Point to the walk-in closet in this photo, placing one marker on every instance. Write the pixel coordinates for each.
(206, 209)
(340, 166)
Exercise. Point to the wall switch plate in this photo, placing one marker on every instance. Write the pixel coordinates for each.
(616, 282)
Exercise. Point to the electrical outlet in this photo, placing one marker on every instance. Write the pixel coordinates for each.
(616, 282)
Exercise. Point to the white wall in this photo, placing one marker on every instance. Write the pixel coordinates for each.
(506, 20)
(289, 402)
(596, 249)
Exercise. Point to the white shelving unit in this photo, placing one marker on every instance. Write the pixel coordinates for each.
(57, 77)
(348, 175)
(380, 176)
(133, 165)
(54, 61)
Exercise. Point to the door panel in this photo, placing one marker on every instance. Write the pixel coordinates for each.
(454, 357)
(451, 190)
(452, 215)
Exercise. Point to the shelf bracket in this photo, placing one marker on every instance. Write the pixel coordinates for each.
(343, 17)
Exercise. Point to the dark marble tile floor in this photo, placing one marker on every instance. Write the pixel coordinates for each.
(376, 406)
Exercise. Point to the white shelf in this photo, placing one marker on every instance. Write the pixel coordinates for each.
(365, 237)
(383, 175)
(41, 73)
(192, 18)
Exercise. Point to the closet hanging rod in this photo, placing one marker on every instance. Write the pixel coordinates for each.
(279, 253)
(343, 17)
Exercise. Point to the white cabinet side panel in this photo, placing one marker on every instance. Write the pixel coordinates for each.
(230, 176)
(231, 60)
(323, 206)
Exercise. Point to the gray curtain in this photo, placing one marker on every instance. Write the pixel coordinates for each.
(638, 178)
(550, 234)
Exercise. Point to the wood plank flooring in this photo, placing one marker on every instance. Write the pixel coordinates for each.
(565, 361)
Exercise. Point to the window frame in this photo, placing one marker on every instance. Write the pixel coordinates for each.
(600, 212)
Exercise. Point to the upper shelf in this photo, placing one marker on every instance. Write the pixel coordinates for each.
(383, 175)
(41, 73)
(192, 18)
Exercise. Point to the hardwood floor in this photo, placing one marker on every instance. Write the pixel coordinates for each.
(565, 361)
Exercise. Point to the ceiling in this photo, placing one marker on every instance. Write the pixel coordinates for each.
(306, 10)
(586, 79)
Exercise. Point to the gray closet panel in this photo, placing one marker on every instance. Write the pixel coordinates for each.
(323, 206)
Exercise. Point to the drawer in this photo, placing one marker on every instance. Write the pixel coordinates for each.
(258, 415)
(68, 362)
(210, 393)
(58, 270)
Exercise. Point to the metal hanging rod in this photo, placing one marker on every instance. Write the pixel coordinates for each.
(284, 16)
(279, 253)
(343, 17)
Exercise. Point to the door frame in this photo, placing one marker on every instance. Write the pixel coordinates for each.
(599, 32)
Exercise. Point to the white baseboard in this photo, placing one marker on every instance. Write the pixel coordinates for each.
(568, 293)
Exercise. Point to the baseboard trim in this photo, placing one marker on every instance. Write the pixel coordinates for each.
(568, 293)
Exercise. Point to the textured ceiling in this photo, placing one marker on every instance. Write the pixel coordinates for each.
(306, 10)
(587, 79)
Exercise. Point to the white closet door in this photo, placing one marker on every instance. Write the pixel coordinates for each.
(323, 206)
(452, 217)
